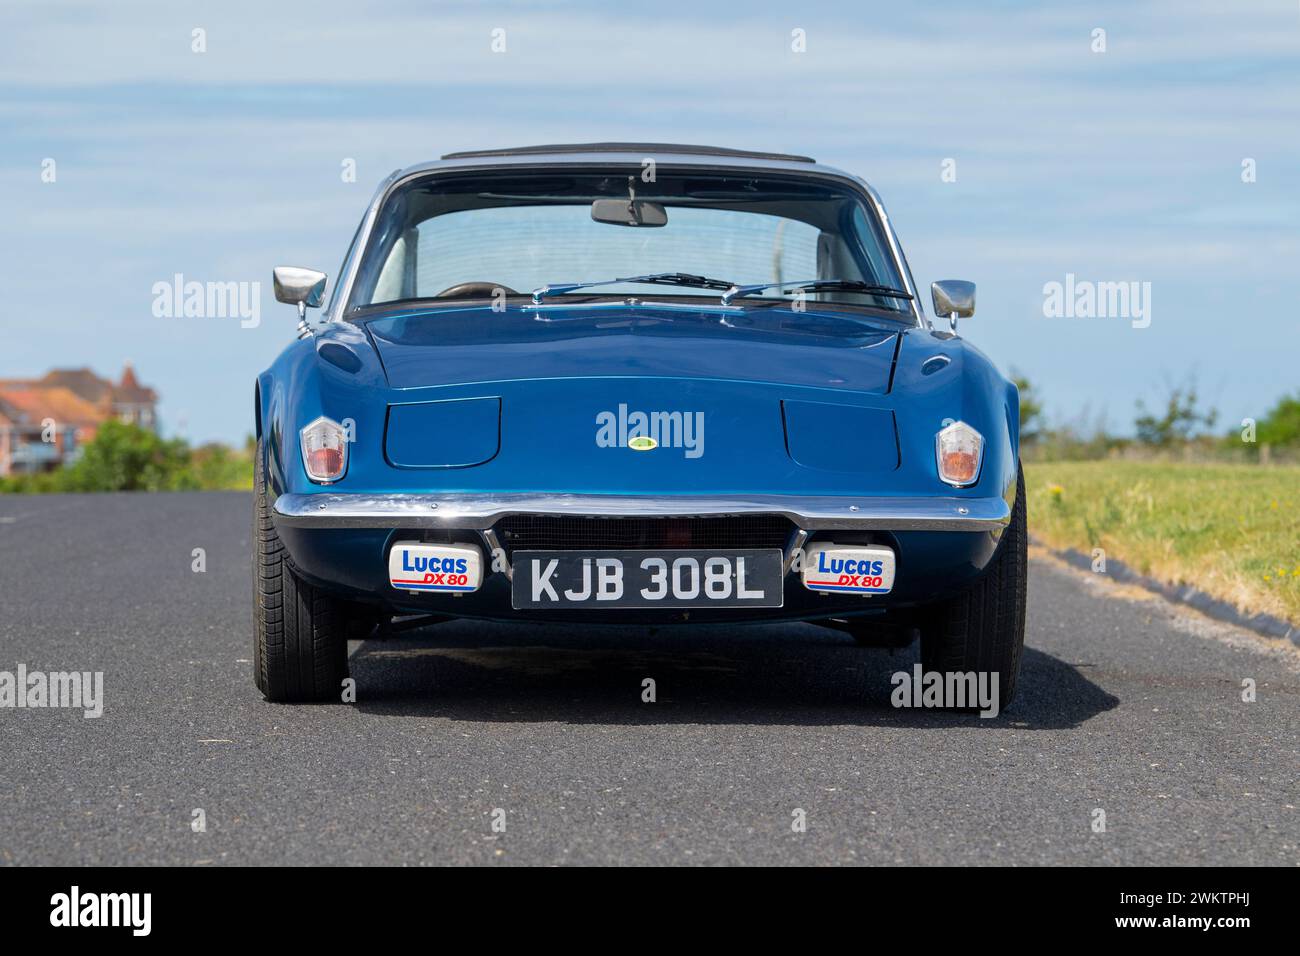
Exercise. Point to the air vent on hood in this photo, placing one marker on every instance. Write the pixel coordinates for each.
(451, 434)
(834, 437)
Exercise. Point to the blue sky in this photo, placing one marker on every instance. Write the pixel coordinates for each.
(1116, 166)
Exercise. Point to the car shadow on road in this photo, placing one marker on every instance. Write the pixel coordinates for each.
(770, 674)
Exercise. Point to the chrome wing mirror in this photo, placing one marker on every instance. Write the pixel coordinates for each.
(304, 288)
(953, 298)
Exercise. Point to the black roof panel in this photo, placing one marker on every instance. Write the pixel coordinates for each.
(644, 148)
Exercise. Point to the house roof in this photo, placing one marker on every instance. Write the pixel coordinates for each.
(130, 390)
(91, 388)
(82, 381)
(33, 403)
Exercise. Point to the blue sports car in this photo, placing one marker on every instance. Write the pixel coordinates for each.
(634, 383)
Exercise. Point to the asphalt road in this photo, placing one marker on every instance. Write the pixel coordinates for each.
(1125, 706)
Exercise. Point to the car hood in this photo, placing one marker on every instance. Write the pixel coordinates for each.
(452, 346)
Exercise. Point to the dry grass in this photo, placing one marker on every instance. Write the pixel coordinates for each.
(1232, 531)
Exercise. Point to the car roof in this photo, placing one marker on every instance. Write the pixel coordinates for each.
(679, 149)
(583, 154)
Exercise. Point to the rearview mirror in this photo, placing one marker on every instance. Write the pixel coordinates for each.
(304, 288)
(953, 298)
(629, 212)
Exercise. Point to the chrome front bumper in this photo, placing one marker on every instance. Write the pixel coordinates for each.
(480, 512)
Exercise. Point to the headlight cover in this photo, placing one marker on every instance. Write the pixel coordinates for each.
(959, 450)
(324, 450)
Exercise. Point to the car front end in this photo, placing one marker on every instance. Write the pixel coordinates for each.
(611, 450)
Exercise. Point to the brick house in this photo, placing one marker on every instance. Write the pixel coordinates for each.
(45, 421)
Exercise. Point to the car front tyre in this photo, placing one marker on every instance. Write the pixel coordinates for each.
(300, 632)
(983, 628)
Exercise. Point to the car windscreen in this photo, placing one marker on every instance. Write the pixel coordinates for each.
(451, 236)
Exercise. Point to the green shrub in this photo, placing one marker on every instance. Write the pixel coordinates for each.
(125, 457)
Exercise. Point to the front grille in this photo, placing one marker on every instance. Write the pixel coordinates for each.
(563, 533)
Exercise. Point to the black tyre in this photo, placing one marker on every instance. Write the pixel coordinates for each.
(983, 629)
(299, 632)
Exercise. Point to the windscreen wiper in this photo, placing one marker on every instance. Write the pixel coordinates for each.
(816, 285)
(658, 278)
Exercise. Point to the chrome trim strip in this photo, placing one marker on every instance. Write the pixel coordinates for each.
(475, 511)
(896, 248)
(348, 271)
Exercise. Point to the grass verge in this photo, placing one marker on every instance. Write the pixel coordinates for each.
(1232, 531)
